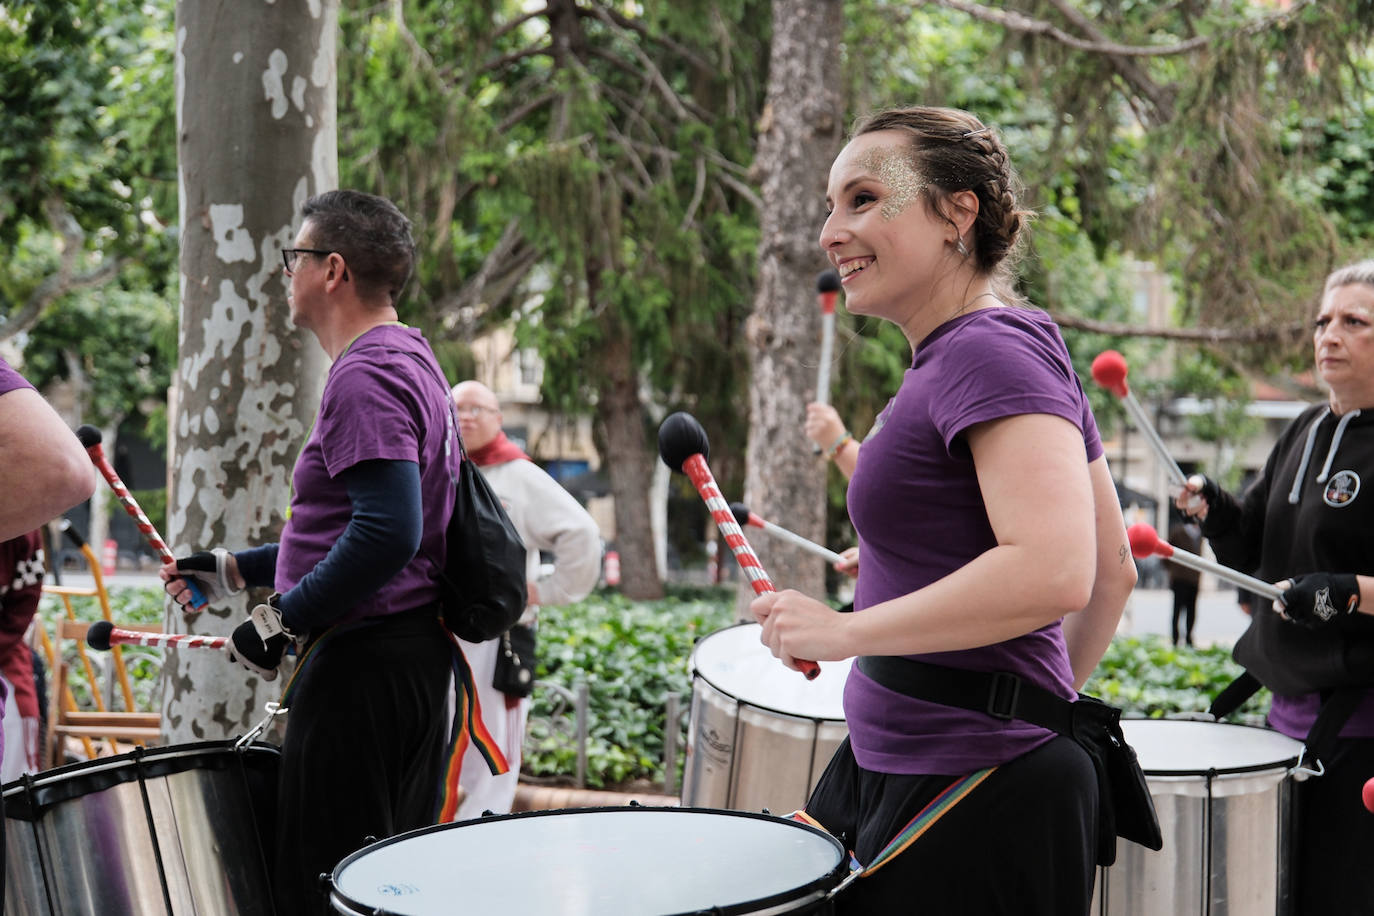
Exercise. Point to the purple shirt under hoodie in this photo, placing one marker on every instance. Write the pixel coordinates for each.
(378, 403)
(915, 502)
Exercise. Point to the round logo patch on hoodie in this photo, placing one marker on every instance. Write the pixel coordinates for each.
(1341, 489)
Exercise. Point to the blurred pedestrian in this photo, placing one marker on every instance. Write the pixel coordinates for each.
(1184, 580)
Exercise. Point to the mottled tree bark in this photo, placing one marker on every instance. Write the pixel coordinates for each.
(799, 135)
(256, 122)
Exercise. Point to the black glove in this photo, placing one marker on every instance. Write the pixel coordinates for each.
(1316, 599)
(210, 570)
(259, 643)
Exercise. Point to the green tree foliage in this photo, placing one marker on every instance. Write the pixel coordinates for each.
(88, 152)
(562, 150)
(117, 346)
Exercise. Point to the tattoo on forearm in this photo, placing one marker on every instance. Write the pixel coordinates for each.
(1124, 552)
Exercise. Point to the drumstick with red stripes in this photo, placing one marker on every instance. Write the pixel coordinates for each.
(1145, 542)
(683, 447)
(744, 517)
(90, 438)
(103, 634)
(1109, 370)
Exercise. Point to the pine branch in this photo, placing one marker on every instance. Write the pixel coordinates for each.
(1019, 22)
(1282, 333)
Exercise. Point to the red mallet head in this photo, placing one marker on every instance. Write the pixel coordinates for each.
(1367, 796)
(743, 516)
(827, 289)
(1146, 543)
(1109, 371)
(679, 438)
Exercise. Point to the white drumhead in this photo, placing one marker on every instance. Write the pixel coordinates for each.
(627, 862)
(1178, 746)
(737, 664)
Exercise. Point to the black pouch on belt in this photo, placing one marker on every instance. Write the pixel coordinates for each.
(1125, 807)
(515, 662)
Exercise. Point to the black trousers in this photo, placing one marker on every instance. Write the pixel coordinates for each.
(1020, 844)
(1185, 606)
(362, 755)
(1333, 840)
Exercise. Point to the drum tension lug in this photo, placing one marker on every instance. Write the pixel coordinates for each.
(1302, 772)
(273, 710)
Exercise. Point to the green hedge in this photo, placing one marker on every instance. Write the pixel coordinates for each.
(631, 654)
(144, 663)
(1148, 677)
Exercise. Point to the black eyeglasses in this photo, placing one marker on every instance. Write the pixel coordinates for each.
(289, 257)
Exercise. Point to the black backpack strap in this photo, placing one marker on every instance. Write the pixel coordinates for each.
(1336, 709)
(999, 694)
(1234, 695)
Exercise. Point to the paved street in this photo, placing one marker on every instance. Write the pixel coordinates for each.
(1219, 618)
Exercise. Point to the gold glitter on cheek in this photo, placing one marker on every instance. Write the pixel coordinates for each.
(892, 166)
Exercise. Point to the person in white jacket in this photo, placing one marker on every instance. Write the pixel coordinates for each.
(549, 519)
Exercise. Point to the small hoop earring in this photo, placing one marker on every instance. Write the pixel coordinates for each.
(960, 247)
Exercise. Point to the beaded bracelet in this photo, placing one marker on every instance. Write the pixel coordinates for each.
(839, 443)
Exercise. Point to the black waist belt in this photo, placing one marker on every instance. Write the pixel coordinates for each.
(998, 694)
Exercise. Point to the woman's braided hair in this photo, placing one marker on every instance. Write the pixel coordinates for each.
(954, 151)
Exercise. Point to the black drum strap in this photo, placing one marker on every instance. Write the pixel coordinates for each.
(1335, 711)
(1234, 695)
(1337, 707)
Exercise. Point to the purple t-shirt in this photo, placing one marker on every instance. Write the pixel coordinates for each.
(9, 379)
(916, 505)
(378, 403)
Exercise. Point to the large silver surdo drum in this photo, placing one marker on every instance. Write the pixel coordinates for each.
(760, 734)
(596, 862)
(1223, 794)
(171, 830)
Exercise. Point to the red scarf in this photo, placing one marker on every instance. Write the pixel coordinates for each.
(498, 451)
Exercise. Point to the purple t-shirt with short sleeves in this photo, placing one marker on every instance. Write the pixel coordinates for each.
(916, 505)
(378, 403)
(9, 379)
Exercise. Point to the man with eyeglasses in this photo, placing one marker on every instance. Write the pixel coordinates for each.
(372, 492)
(549, 520)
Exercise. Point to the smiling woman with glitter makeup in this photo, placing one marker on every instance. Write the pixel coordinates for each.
(991, 542)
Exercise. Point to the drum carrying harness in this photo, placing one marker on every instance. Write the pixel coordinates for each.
(1125, 806)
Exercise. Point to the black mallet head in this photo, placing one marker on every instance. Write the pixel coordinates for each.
(89, 435)
(98, 635)
(680, 437)
(828, 281)
(741, 513)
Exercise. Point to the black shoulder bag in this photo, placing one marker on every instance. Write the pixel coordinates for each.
(1125, 808)
(482, 578)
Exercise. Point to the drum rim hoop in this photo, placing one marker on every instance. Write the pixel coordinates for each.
(740, 701)
(1281, 763)
(799, 894)
(30, 796)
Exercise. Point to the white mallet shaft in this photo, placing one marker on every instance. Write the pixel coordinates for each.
(827, 349)
(1145, 542)
(1109, 370)
(827, 290)
(744, 517)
